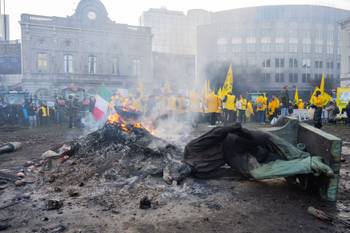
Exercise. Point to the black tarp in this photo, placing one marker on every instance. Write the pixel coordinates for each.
(238, 147)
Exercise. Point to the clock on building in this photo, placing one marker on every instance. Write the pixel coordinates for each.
(91, 15)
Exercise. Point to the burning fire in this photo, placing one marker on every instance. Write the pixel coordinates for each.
(116, 119)
(126, 124)
(138, 125)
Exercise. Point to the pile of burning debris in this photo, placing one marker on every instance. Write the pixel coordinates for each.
(123, 151)
(119, 150)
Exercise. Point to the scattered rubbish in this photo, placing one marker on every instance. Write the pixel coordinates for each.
(57, 189)
(10, 147)
(51, 179)
(326, 217)
(319, 214)
(214, 206)
(145, 203)
(31, 168)
(54, 204)
(73, 193)
(50, 154)
(20, 175)
(26, 196)
(19, 183)
(64, 149)
(29, 163)
(54, 229)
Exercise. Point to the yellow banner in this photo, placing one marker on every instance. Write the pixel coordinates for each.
(343, 97)
(228, 84)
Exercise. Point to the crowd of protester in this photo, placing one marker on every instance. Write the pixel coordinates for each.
(35, 112)
(266, 109)
(212, 109)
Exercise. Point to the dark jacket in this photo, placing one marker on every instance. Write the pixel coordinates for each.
(285, 99)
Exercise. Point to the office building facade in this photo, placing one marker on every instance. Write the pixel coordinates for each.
(345, 53)
(274, 46)
(4, 27)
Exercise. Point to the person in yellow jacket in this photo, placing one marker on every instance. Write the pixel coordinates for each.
(250, 111)
(230, 108)
(213, 104)
(261, 104)
(44, 114)
(273, 106)
(318, 104)
(241, 106)
(300, 104)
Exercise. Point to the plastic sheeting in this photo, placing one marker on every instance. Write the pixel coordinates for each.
(253, 153)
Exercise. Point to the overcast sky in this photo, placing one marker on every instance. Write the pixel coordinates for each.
(129, 11)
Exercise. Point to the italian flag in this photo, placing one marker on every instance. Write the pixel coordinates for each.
(103, 98)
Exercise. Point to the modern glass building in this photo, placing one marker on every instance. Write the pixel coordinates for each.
(274, 46)
(345, 53)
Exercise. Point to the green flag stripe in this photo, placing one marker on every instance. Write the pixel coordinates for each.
(105, 94)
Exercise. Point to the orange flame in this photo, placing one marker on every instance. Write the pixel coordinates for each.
(125, 125)
(115, 118)
(138, 125)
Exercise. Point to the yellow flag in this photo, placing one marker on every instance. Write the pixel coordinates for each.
(220, 93)
(322, 84)
(296, 96)
(311, 99)
(228, 84)
(326, 96)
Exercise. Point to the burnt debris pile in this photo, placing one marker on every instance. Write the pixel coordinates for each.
(119, 151)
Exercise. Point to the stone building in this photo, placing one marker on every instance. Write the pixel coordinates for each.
(274, 46)
(84, 50)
